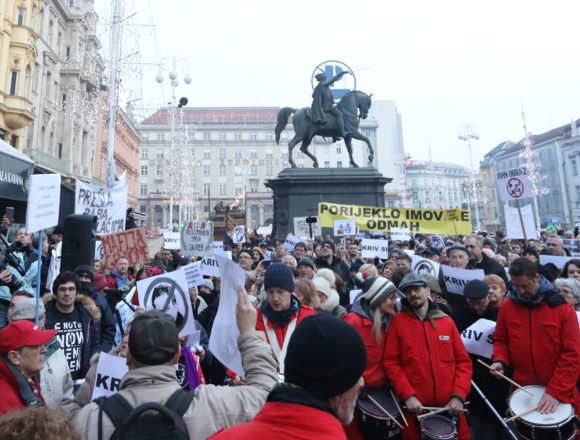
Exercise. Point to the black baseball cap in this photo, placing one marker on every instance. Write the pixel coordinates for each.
(153, 339)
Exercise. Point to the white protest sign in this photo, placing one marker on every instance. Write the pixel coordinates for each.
(345, 227)
(456, 279)
(196, 237)
(193, 274)
(374, 248)
(514, 225)
(514, 184)
(210, 267)
(290, 242)
(422, 265)
(107, 204)
(572, 244)
(223, 342)
(353, 294)
(169, 293)
(172, 240)
(110, 371)
(43, 202)
(478, 338)
(400, 234)
(239, 234)
(217, 247)
(557, 261)
(301, 228)
(268, 255)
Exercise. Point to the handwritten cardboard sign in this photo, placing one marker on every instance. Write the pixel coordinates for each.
(131, 244)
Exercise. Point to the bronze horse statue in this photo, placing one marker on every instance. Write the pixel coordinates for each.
(354, 106)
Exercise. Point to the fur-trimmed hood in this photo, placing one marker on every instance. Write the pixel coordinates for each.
(82, 300)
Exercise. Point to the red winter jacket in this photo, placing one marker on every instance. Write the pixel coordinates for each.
(286, 421)
(374, 375)
(542, 345)
(281, 331)
(11, 399)
(427, 358)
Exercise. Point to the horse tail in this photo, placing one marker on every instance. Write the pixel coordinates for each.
(283, 116)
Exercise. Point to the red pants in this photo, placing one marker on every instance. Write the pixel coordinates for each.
(413, 432)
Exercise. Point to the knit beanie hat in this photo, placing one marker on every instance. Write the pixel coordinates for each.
(377, 289)
(279, 275)
(325, 356)
(328, 275)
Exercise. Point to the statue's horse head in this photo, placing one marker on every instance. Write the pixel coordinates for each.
(356, 100)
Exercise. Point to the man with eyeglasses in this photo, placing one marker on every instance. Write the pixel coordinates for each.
(76, 319)
(22, 352)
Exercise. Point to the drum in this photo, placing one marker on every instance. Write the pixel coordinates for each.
(438, 427)
(373, 423)
(560, 424)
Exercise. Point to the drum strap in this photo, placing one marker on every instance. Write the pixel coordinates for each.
(280, 353)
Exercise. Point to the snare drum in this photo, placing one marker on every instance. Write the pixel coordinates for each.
(560, 424)
(373, 423)
(438, 427)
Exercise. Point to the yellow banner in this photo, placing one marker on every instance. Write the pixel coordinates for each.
(423, 221)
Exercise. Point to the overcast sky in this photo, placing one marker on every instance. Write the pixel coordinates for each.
(445, 63)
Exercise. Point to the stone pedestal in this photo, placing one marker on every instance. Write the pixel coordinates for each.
(297, 192)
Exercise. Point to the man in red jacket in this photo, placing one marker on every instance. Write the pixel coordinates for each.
(324, 365)
(425, 360)
(537, 335)
(280, 312)
(21, 359)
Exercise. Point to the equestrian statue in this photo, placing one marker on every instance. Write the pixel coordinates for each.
(326, 119)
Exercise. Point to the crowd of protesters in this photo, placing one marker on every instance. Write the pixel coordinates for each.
(307, 343)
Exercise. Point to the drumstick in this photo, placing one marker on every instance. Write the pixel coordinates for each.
(384, 411)
(434, 408)
(398, 407)
(525, 413)
(432, 413)
(515, 384)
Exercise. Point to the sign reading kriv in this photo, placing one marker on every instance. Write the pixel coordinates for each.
(131, 244)
(172, 240)
(424, 265)
(400, 234)
(478, 338)
(110, 371)
(108, 204)
(210, 267)
(374, 248)
(43, 202)
(456, 279)
(344, 227)
(169, 293)
(369, 218)
(290, 242)
(514, 184)
(196, 237)
(301, 228)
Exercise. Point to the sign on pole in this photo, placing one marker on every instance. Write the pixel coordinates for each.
(514, 184)
(301, 228)
(43, 202)
(345, 227)
(196, 237)
(520, 222)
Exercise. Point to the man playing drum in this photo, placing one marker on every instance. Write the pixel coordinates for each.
(537, 335)
(425, 359)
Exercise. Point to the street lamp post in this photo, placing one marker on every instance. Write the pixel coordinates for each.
(467, 135)
(176, 65)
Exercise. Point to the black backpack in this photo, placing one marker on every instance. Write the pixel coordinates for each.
(149, 421)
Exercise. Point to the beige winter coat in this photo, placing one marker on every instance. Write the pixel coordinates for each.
(213, 407)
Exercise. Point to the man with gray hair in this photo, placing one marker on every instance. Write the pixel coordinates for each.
(479, 260)
(554, 245)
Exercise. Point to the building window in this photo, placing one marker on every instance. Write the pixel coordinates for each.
(206, 189)
(206, 170)
(254, 185)
(268, 170)
(326, 164)
(574, 166)
(338, 149)
(269, 136)
(339, 164)
(144, 169)
(161, 137)
(143, 189)
(238, 136)
(238, 189)
(268, 153)
(238, 153)
(222, 136)
(238, 171)
(222, 189)
(14, 83)
(253, 153)
(222, 153)
(253, 136)
(222, 170)
(207, 136)
(144, 153)
(160, 154)
(207, 154)
(21, 16)
(159, 170)
(254, 170)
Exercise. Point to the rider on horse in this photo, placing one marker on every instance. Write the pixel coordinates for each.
(323, 101)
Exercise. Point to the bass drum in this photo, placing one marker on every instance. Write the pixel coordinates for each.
(559, 425)
(373, 423)
(438, 428)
